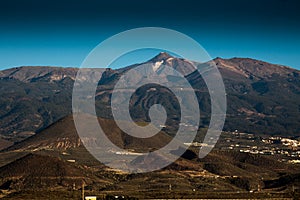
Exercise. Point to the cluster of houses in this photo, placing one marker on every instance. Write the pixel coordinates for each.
(287, 148)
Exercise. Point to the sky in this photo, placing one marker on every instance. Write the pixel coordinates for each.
(62, 33)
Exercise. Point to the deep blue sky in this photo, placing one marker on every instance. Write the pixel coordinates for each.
(62, 33)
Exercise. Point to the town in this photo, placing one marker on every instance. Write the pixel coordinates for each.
(286, 149)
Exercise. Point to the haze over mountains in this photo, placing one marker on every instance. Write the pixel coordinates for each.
(262, 97)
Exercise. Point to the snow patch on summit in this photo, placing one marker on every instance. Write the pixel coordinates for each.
(157, 65)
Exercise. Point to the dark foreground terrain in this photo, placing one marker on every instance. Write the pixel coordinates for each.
(54, 165)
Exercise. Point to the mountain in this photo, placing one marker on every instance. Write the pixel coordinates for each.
(261, 97)
(41, 150)
(33, 98)
(182, 65)
(37, 74)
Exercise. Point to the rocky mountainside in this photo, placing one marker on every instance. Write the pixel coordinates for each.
(261, 97)
(33, 98)
(36, 74)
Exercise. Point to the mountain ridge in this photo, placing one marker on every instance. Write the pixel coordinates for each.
(163, 56)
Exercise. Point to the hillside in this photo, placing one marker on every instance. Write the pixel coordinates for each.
(62, 135)
(36, 172)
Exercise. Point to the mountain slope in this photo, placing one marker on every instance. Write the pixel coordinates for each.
(261, 97)
(62, 135)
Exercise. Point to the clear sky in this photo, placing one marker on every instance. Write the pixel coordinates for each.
(62, 33)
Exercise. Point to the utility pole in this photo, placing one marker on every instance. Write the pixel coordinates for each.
(258, 187)
(73, 190)
(82, 190)
(293, 188)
